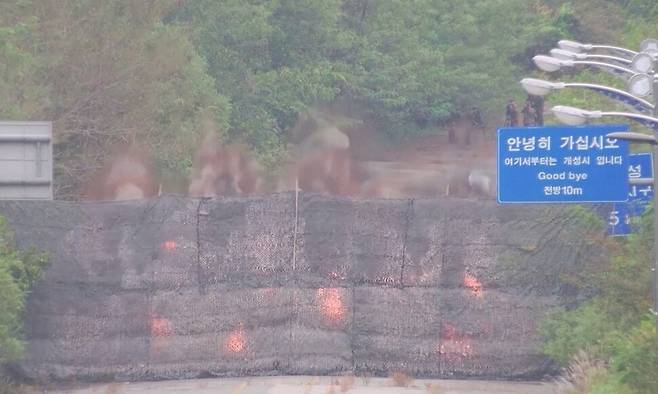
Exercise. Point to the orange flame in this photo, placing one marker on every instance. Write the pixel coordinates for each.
(331, 305)
(454, 342)
(236, 342)
(160, 326)
(474, 284)
(169, 245)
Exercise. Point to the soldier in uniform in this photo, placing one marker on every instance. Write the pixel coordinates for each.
(528, 114)
(451, 131)
(476, 118)
(511, 114)
(538, 106)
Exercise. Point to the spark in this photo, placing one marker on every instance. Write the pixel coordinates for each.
(170, 245)
(160, 326)
(236, 342)
(474, 284)
(331, 305)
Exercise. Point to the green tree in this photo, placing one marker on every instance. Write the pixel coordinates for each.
(18, 273)
(614, 326)
(108, 74)
(407, 64)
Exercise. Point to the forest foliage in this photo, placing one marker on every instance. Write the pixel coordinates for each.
(158, 74)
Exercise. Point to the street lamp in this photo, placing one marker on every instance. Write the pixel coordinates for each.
(642, 83)
(551, 64)
(643, 62)
(576, 116)
(568, 55)
(648, 139)
(574, 46)
(538, 87)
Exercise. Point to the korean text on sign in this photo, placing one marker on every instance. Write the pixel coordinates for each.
(562, 164)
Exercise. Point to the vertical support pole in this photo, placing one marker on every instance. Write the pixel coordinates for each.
(655, 234)
(654, 95)
(654, 91)
(294, 236)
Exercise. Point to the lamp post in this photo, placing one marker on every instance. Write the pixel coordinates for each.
(577, 116)
(642, 82)
(574, 46)
(551, 64)
(640, 61)
(568, 55)
(539, 87)
(641, 78)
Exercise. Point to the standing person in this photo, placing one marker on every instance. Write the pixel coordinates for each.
(528, 114)
(476, 120)
(511, 114)
(451, 131)
(538, 106)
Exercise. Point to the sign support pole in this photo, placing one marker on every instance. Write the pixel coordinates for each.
(654, 310)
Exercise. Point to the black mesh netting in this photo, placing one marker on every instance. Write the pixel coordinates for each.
(177, 287)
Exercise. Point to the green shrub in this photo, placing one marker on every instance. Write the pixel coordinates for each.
(613, 327)
(19, 271)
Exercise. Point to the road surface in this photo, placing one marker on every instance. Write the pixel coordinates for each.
(315, 385)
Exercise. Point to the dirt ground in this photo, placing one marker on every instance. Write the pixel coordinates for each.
(429, 166)
(469, 144)
(316, 385)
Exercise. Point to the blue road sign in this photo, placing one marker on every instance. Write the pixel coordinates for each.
(561, 164)
(640, 165)
(619, 221)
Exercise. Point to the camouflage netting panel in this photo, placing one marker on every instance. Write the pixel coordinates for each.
(246, 242)
(397, 330)
(320, 331)
(285, 284)
(345, 243)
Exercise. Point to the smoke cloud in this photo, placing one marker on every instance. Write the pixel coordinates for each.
(126, 177)
(224, 171)
(332, 156)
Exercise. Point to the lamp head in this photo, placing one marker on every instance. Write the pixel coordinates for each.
(650, 45)
(538, 87)
(642, 63)
(549, 64)
(573, 46)
(641, 85)
(574, 116)
(563, 54)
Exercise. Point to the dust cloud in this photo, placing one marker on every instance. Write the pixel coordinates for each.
(127, 176)
(220, 170)
(332, 155)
